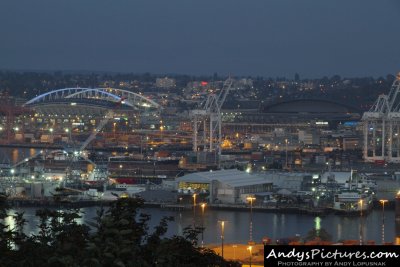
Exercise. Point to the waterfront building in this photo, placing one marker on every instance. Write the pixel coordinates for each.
(293, 181)
(224, 186)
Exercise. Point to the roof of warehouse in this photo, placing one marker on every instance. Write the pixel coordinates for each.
(232, 177)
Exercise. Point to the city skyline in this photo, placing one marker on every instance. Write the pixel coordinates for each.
(267, 38)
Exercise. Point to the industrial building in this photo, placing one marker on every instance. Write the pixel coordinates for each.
(293, 181)
(233, 186)
(224, 186)
(293, 115)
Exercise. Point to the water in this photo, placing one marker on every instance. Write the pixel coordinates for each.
(273, 225)
(15, 155)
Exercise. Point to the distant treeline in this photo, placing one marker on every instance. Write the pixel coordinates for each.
(357, 92)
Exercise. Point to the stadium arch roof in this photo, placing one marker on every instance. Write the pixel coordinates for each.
(101, 95)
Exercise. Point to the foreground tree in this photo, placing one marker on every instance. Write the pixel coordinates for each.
(119, 237)
(321, 234)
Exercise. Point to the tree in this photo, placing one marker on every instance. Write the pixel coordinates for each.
(5, 233)
(119, 237)
(321, 234)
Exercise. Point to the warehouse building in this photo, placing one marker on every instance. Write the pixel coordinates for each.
(224, 186)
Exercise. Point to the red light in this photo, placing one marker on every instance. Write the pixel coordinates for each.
(204, 83)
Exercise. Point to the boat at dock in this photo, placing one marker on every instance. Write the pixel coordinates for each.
(356, 197)
(352, 202)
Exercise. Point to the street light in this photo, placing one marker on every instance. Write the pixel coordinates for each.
(361, 221)
(251, 199)
(250, 248)
(194, 209)
(222, 237)
(286, 143)
(383, 201)
(203, 205)
(194, 200)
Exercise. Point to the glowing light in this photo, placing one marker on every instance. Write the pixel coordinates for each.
(317, 223)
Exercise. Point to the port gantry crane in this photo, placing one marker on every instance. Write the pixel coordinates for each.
(79, 153)
(207, 121)
(382, 127)
(76, 154)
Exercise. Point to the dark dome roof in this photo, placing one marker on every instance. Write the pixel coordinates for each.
(309, 106)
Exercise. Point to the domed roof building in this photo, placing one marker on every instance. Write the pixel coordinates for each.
(310, 106)
(299, 113)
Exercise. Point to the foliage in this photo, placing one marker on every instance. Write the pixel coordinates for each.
(321, 234)
(120, 236)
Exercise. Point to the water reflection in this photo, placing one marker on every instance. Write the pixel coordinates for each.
(15, 156)
(236, 229)
(32, 151)
(339, 231)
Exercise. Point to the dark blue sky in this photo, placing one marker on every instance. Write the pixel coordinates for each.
(243, 37)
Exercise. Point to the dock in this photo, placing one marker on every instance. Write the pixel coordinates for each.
(176, 207)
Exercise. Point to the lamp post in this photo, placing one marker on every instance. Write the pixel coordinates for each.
(66, 130)
(222, 237)
(361, 221)
(51, 134)
(70, 141)
(251, 199)
(250, 248)
(286, 156)
(203, 205)
(194, 209)
(383, 201)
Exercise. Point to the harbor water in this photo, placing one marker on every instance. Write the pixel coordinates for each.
(272, 225)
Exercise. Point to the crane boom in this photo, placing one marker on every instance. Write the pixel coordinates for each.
(99, 127)
(224, 92)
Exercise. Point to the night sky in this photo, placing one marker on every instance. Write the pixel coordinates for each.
(271, 38)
